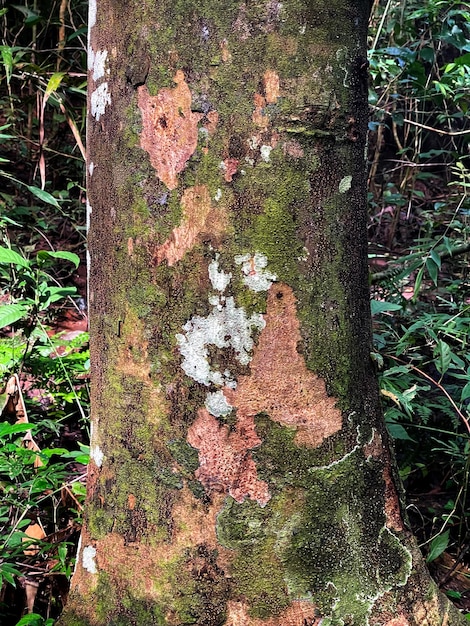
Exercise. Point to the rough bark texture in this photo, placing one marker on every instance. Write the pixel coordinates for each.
(240, 471)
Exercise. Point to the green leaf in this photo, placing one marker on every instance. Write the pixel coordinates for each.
(59, 254)
(11, 313)
(437, 546)
(7, 60)
(418, 281)
(43, 195)
(443, 355)
(33, 619)
(433, 269)
(434, 254)
(398, 432)
(53, 83)
(465, 393)
(378, 306)
(59, 293)
(10, 256)
(10, 429)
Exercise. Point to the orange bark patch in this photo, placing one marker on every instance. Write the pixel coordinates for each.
(193, 525)
(225, 462)
(398, 621)
(271, 86)
(169, 129)
(259, 118)
(299, 613)
(212, 121)
(280, 383)
(198, 217)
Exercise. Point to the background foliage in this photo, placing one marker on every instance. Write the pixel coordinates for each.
(419, 187)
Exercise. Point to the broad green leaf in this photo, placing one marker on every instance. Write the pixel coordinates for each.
(443, 356)
(45, 196)
(60, 254)
(10, 256)
(11, 313)
(437, 546)
(378, 306)
(10, 429)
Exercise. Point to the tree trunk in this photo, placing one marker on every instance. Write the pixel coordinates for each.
(240, 470)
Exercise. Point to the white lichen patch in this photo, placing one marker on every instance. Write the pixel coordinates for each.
(345, 184)
(96, 455)
(256, 277)
(217, 405)
(88, 559)
(219, 279)
(99, 64)
(100, 98)
(227, 326)
(218, 195)
(265, 152)
(91, 168)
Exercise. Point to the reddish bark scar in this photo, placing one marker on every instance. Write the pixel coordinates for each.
(281, 385)
(225, 458)
(169, 129)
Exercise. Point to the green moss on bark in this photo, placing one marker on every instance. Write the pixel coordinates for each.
(321, 537)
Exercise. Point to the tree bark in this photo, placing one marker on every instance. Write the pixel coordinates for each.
(240, 472)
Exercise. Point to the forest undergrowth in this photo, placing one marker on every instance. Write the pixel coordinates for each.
(419, 194)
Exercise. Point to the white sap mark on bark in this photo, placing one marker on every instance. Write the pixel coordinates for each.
(99, 99)
(91, 14)
(345, 184)
(256, 277)
(219, 279)
(88, 559)
(91, 168)
(265, 152)
(226, 326)
(99, 64)
(217, 405)
(90, 58)
(96, 454)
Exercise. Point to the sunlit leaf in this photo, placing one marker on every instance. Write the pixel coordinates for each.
(11, 313)
(10, 256)
(60, 254)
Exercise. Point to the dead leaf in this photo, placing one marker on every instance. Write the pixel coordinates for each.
(34, 531)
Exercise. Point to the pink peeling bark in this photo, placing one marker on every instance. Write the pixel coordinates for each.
(169, 129)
